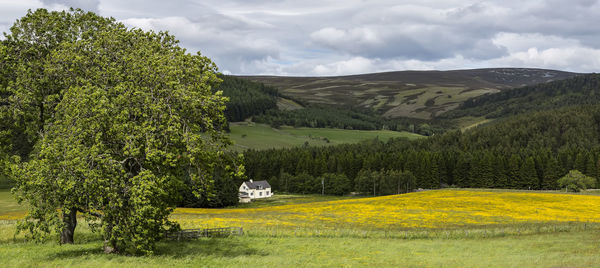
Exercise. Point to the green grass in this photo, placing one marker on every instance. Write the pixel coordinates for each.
(569, 249)
(8, 204)
(290, 199)
(5, 183)
(523, 245)
(260, 136)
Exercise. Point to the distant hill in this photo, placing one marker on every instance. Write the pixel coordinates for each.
(414, 94)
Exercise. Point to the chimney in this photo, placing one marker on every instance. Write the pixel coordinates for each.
(251, 181)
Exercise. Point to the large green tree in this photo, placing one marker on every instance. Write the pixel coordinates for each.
(28, 93)
(137, 115)
(576, 181)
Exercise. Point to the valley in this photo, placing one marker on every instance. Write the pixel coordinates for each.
(299, 134)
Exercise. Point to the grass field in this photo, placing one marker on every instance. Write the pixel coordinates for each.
(292, 199)
(442, 228)
(261, 136)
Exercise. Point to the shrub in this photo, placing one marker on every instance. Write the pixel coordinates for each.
(575, 181)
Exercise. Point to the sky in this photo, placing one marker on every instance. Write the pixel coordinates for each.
(327, 38)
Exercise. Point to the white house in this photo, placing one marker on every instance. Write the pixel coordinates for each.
(254, 189)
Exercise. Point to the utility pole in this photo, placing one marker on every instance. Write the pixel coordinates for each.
(322, 185)
(373, 187)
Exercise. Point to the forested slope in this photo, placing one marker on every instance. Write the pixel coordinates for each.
(320, 116)
(529, 151)
(246, 98)
(578, 90)
(256, 100)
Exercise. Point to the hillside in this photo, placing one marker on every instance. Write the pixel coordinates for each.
(247, 98)
(579, 90)
(261, 136)
(528, 151)
(414, 94)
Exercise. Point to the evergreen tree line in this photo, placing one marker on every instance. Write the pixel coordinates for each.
(530, 151)
(370, 182)
(246, 98)
(578, 90)
(316, 116)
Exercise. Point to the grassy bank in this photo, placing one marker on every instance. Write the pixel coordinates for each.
(261, 136)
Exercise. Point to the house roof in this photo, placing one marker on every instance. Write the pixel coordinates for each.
(256, 184)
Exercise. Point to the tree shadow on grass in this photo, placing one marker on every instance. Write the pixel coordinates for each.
(218, 247)
(221, 247)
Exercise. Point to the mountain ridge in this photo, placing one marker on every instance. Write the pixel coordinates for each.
(412, 94)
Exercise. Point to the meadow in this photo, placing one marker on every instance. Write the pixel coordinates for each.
(260, 136)
(441, 228)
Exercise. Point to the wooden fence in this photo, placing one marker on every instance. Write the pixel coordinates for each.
(197, 233)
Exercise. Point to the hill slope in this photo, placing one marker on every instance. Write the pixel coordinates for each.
(415, 94)
(261, 136)
(247, 98)
(579, 90)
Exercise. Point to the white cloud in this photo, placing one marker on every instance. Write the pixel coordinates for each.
(566, 58)
(354, 65)
(88, 5)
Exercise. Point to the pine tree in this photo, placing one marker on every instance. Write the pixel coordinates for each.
(528, 175)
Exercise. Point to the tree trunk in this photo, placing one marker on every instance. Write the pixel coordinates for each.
(109, 244)
(68, 231)
(109, 248)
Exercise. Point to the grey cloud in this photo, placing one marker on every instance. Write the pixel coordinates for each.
(318, 36)
(229, 41)
(88, 5)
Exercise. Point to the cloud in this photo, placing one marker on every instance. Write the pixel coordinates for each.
(351, 66)
(87, 5)
(226, 40)
(328, 37)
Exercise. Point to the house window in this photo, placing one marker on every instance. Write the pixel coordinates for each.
(267, 192)
(252, 194)
(260, 193)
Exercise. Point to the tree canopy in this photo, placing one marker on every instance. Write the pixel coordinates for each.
(132, 114)
(575, 181)
(529, 151)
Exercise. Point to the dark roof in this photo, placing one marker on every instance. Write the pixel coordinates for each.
(256, 184)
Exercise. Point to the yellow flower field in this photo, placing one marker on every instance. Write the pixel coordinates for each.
(430, 209)
(423, 210)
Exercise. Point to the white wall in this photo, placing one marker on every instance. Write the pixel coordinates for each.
(254, 193)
